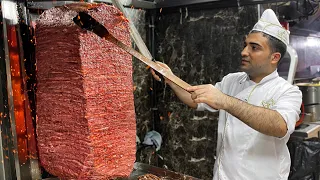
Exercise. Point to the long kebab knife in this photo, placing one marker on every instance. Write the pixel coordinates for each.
(85, 21)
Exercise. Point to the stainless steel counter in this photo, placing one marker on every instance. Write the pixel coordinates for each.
(307, 130)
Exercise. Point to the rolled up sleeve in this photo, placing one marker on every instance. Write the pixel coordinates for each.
(204, 106)
(288, 105)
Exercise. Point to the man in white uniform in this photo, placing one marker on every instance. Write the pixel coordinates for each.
(258, 109)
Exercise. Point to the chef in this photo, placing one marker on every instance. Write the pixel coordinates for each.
(258, 109)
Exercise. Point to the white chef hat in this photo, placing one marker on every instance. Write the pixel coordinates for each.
(269, 24)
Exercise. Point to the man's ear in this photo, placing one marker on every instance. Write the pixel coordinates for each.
(275, 58)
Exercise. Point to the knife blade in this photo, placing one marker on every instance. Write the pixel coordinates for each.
(85, 21)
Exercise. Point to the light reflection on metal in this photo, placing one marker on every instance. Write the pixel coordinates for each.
(293, 63)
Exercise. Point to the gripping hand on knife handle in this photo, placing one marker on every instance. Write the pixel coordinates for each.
(158, 76)
(182, 94)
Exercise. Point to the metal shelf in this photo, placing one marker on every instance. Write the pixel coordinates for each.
(38, 4)
(157, 4)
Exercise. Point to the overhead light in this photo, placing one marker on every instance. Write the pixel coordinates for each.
(312, 41)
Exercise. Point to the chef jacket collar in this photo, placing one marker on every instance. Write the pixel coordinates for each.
(271, 76)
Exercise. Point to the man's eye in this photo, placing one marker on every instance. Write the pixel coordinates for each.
(254, 47)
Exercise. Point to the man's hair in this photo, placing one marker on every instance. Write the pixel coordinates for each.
(275, 44)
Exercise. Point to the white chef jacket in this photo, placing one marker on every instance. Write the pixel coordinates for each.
(242, 152)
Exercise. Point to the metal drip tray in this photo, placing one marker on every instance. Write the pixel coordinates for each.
(140, 169)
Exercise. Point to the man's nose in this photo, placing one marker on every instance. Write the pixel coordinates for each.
(244, 52)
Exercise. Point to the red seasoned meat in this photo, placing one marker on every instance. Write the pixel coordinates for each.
(86, 126)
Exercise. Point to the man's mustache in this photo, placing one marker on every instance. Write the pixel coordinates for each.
(245, 59)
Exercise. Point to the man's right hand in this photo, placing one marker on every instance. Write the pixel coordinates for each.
(156, 77)
(182, 94)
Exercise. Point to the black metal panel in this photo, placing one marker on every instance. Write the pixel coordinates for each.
(213, 3)
(143, 4)
(175, 3)
(252, 2)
